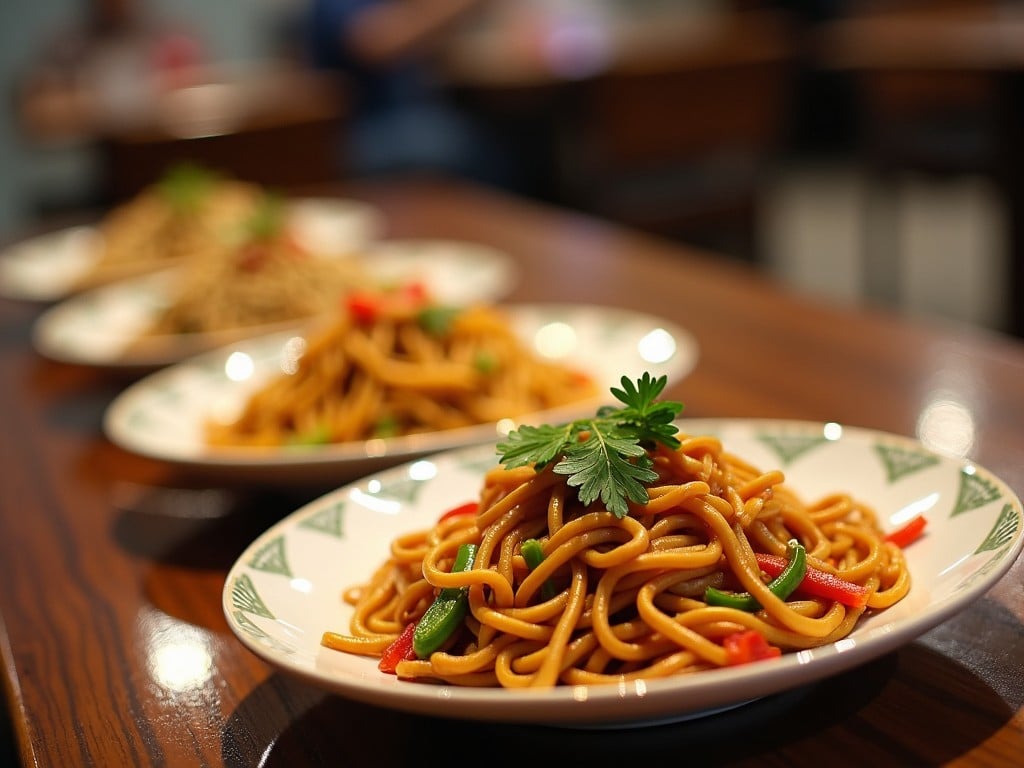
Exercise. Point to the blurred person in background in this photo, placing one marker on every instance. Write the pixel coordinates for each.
(102, 69)
(99, 71)
(401, 118)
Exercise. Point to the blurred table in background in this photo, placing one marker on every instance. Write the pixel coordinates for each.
(659, 115)
(942, 91)
(273, 124)
(115, 646)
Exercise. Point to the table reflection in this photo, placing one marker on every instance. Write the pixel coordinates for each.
(178, 655)
(947, 421)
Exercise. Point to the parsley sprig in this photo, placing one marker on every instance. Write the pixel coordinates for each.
(267, 218)
(604, 456)
(185, 186)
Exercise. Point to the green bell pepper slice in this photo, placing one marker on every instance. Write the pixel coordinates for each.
(446, 613)
(782, 586)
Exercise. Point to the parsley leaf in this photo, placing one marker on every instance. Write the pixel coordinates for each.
(185, 186)
(267, 219)
(535, 445)
(605, 457)
(437, 320)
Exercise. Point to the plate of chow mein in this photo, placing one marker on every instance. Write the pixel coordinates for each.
(251, 289)
(184, 216)
(518, 583)
(390, 376)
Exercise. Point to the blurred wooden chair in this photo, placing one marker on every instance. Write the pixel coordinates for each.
(927, 96)
(932, 120)
(938, 124)
(679, 143)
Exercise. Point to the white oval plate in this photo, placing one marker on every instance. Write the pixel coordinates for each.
(48, 267)
(161, 416)
(102, 327)
(284, 590)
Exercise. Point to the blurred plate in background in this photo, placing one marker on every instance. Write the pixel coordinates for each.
(50, 266)
(163, 415)
(103, 327)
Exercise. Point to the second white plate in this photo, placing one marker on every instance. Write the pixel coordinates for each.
(102, 327)
(162, 415)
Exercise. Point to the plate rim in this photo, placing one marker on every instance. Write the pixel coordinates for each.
(13, 252)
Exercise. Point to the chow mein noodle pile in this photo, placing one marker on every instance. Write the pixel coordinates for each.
(393, 363)
(262, 276)
(712, 562)
(187, 212)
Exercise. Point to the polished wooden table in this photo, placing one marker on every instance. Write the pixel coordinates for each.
(112, 565)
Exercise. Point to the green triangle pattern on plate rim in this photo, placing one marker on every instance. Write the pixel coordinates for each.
(1002, 533)
(271, 558)
(901, 462)
(245, 597)
(406, 489)
(250, 626)
(791, 447)
(329, 520)
(975, 491)
(254, 631)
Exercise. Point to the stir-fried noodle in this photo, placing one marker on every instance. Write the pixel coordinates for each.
(615, 598)
(396, 365)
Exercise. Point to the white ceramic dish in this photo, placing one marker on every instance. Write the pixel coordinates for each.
(283, 592)
(161, 416)
(49, 267)
(102, 327)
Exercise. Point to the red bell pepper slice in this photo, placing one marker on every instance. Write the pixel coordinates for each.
(579, 378)
(908, 532)
(399, 650)
(252, 257)
(415, 292)
(296, 249)
(747, 646)
(364, 307)
(469, 508)
(818, 583)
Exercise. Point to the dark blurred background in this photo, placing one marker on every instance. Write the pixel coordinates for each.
(861, 150)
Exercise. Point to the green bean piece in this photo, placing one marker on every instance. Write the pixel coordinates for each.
(533, 554)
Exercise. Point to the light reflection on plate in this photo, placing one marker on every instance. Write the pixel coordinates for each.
(161, 416)
(975, 532)
(102, 327)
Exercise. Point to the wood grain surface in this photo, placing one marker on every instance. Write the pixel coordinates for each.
(111, 564)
